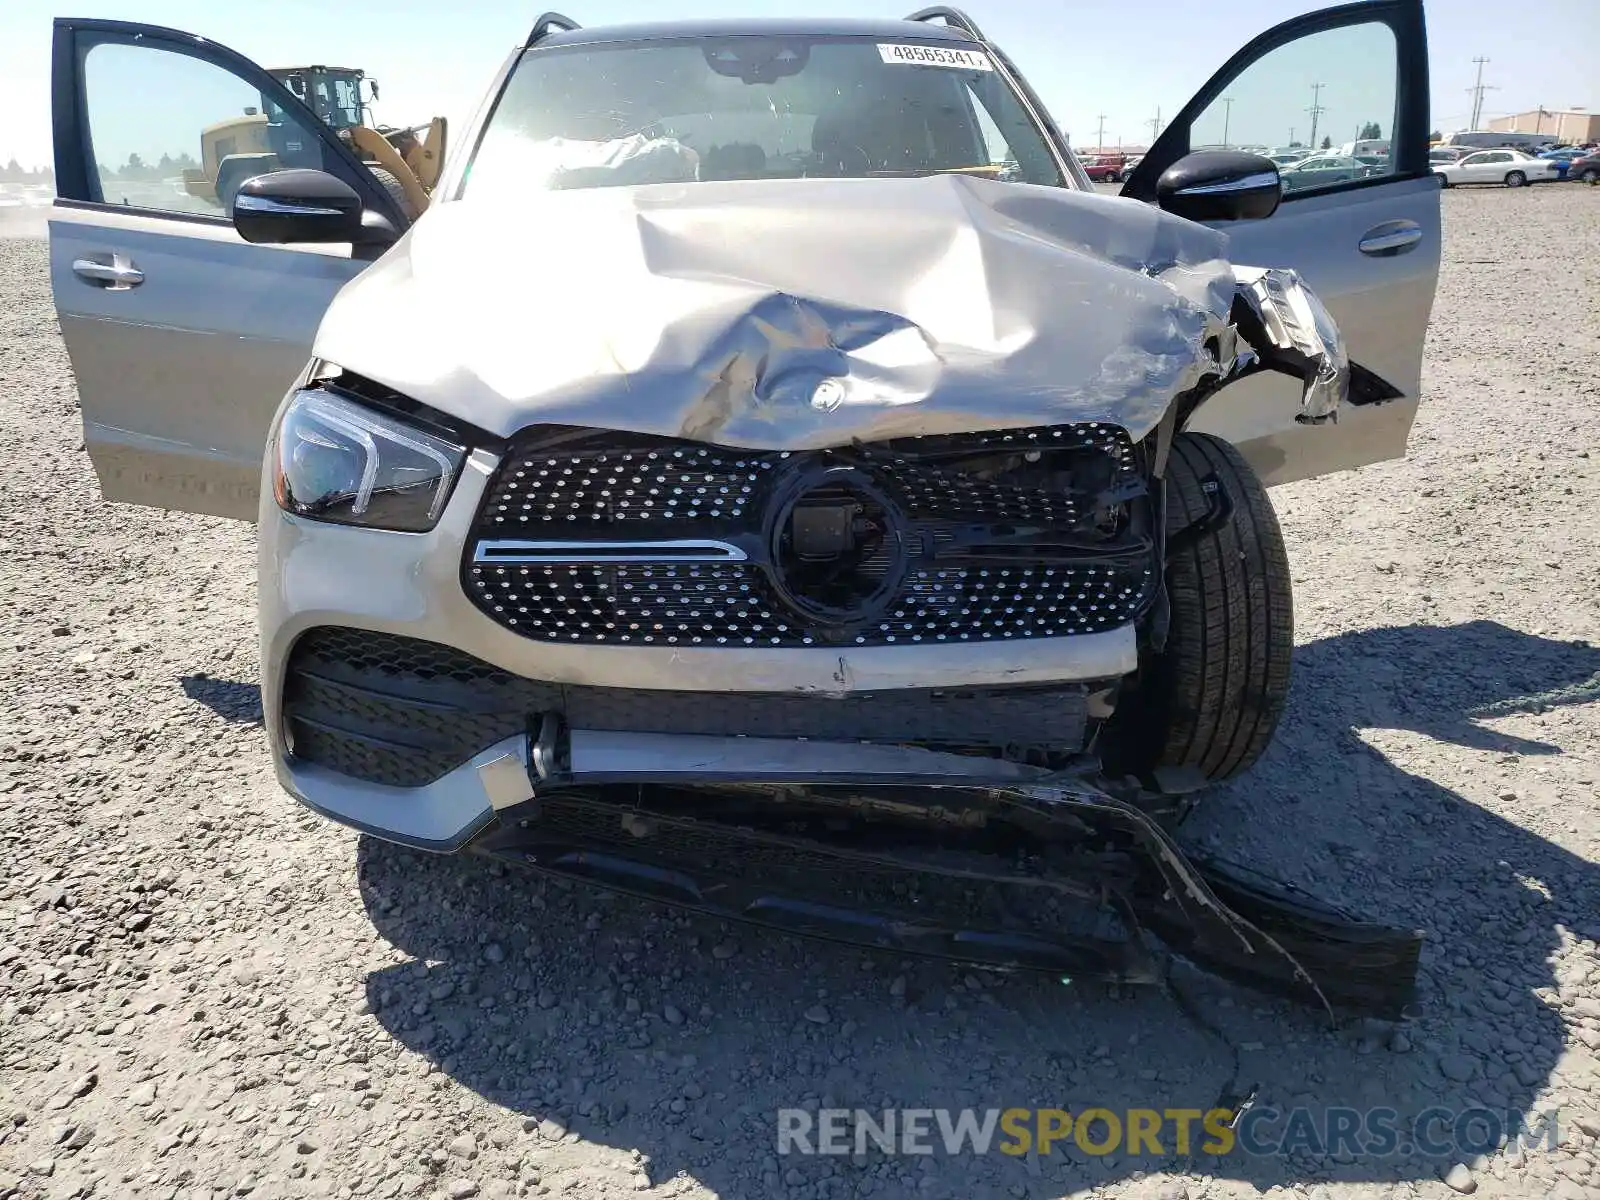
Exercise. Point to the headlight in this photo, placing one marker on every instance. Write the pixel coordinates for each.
(343, 462)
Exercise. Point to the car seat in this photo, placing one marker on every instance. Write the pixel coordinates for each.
(864, 132)
(736, 160)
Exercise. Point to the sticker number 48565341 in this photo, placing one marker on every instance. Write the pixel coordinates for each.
(936, 56)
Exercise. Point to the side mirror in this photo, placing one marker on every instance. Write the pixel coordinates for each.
(1220, 185)
(301, 205)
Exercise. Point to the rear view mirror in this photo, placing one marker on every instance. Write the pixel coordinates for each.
(1220, 185)
(301, 205)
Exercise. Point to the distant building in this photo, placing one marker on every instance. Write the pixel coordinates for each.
(1567, 125)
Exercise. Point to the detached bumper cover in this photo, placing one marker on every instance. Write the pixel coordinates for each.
(999, 863)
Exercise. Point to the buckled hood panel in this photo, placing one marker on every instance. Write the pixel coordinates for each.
(793, 314)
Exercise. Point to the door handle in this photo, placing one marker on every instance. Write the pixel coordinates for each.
(116, 276)
(1390, 238)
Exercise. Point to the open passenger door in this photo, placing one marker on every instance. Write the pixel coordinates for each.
(1367, 246)
(183, 337)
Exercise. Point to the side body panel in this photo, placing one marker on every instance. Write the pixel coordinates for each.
(183, 337)
(1382, 306)
(178, 378)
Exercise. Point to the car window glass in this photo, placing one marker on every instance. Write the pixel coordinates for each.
(697, 109)
(1326, 91)
(988, 112)
(177, 133)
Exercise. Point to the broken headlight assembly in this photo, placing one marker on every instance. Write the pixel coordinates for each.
(348, 463)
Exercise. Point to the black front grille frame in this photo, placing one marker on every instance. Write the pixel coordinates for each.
(984, 559)
(402, 712)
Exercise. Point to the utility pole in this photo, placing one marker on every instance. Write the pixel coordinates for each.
(1100, 137)
(1227, 114)
(1291, 135)
(1155, 127)
(1316, 110)
(1476, 91)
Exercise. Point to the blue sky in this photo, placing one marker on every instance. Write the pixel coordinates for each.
(1123, 58)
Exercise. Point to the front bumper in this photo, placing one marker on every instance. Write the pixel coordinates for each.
(382, 679)
(906, 850)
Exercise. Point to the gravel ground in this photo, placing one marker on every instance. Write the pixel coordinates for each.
(205, 991)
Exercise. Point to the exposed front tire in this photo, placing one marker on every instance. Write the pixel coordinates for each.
(1515, 179)
(389, 183)
(1212, 699)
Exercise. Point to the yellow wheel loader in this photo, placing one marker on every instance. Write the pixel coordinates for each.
(406, 161)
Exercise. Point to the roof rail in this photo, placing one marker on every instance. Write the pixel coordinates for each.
(545, 25)
(953, 17)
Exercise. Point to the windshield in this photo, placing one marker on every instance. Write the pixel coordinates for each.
(754, 107)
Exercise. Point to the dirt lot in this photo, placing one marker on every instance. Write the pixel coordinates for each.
(206, 992)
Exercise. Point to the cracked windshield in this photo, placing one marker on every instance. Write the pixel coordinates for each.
(755, 108)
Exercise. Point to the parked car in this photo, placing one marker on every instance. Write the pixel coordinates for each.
(1447, 154)
(1562, 157)
(1511, 168)
(771, 537)
(1322, 170)
(1105, 169)
(1585, 169)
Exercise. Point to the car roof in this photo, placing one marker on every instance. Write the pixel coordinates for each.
(759, 27)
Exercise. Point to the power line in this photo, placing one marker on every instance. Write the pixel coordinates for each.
(1476, 91)
(1316, 110)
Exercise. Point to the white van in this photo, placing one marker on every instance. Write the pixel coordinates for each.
(1489, 139)
(1377, 146)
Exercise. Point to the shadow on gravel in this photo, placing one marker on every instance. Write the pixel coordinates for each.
(636, 1027)
(230, 700)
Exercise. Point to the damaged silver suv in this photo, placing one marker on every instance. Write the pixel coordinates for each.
(767, 477)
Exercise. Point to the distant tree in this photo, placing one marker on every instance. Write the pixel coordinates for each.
(1371, 131)
(13, 173)
(1436, 136)
(1327, 143)
(134, 168)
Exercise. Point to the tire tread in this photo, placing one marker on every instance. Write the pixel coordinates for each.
(1227, 659)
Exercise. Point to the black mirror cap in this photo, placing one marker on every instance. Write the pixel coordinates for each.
(1221, 185)
(302, 205)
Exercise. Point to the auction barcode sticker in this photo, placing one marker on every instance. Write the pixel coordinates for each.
(936, 56)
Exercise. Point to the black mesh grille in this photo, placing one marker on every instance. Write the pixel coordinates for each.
(1027, 491)
(584, 488)
(403, 712)
(703, 603)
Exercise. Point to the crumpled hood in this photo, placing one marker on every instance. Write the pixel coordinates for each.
(791, 314)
